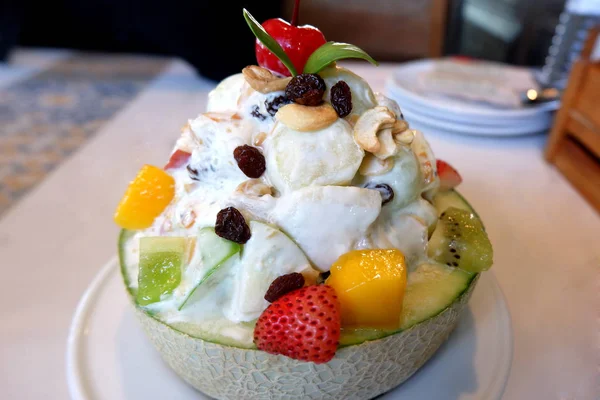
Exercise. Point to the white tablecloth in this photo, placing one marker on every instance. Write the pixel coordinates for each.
(545, 236)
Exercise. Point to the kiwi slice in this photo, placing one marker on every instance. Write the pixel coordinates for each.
(460, 241)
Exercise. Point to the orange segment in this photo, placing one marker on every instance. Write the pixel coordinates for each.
(146, 197)
(370, 285)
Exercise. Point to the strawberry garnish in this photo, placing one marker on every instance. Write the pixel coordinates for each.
(449, 177)
(179, 158)
(303, 324)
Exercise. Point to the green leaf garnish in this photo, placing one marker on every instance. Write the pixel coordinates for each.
(333, 51)
(270, 43)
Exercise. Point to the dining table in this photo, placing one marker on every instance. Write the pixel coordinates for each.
(57, 233)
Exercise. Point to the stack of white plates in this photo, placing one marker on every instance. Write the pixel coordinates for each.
(436, 113)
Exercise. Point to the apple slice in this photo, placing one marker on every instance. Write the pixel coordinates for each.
(214, 251)
(449, 176)
(268, 255)
(404, 179)
(178, 159)
(327, 221)
(405, 232)
(363, 97)
(161, 260)
(329, 156)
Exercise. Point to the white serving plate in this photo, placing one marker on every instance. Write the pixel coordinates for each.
(427, 124)
(400, 86)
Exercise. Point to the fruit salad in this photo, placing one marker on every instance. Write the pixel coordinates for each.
(299, 213)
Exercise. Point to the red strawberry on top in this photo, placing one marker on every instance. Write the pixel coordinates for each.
(303, 324)
(449, 177)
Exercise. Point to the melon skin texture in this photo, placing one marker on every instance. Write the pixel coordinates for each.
(360, 371)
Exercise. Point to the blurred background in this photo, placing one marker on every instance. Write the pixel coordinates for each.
(210, 35)
(67, 67)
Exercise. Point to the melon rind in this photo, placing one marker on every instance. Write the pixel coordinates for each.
(360, 371)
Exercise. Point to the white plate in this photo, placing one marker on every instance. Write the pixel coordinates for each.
(445, 115)
(108, 356)
(431, 126)
(402, 80)
(419, 121)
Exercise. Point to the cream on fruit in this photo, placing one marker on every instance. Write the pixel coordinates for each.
(310, 206)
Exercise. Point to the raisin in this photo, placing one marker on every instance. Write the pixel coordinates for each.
(341, 98)
(231, 225)
(275, 104)
(387, 193)
(250, 160)
(257, 114)
(283, 285)
(306, 89)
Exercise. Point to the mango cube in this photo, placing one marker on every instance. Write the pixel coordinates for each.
(370, 285)
(146, 197)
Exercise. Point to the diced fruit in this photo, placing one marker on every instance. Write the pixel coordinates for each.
(298, 42)
(427, 162)
(361, 94)
(267, 255)
(450, 198)
(370, 285)
(325, 157)
(431, 288)
(129, 261)
(405, 232)
(303, 324)
(449, 177)
(161, 260)
(179, 158)
(403, 180)
(146, 197)
(460, 241)
(226, 95)
(327, 221)
(214, 251)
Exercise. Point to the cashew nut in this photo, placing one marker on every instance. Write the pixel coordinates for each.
(372, 165)
(388, 146)
(406, 137)
(262, 80)
(254, 187)
(306, 118)
(379, 132)
(369, 124)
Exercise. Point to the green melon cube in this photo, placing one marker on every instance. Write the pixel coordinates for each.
(161, 260)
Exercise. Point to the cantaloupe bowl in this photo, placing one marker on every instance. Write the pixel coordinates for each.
(366, 364)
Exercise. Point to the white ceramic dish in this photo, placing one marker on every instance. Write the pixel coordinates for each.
(447, 115)
(109, 357)
(400, 87)
(427, 123)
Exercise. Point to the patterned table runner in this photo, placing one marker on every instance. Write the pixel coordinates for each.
(48, 116)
